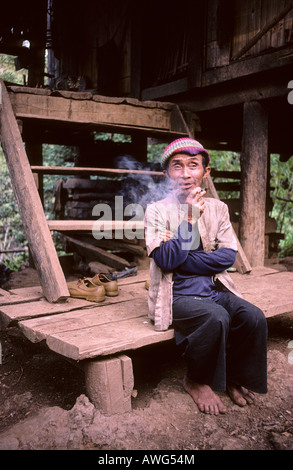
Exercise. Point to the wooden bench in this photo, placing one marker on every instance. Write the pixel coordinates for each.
(100, 337)
(95, 336)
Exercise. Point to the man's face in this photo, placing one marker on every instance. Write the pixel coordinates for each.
(186, 172)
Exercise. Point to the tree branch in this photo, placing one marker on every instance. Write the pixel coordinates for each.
(284, 199)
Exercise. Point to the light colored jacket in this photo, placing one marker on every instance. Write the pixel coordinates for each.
(215, 230)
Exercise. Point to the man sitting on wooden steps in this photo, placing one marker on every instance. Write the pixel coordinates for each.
(190, 241)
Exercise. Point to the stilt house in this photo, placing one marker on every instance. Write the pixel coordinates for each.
(218, 70)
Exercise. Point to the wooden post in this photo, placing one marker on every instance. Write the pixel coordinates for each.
(254, 181)
(109, 384)
(37, 47)
(30, 207)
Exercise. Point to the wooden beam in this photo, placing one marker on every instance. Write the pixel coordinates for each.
(30, 207)
(168, 89)
(95, 253)
(113, 113)
(271, 84)
(66, 170)
(249, 66)
(254, 182)
(94, 225)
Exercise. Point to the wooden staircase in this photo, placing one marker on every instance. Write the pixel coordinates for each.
(121, 115)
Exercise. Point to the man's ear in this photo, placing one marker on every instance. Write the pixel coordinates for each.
(207, 172)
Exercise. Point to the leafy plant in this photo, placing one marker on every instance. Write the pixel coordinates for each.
(282, 195)
(11, 230)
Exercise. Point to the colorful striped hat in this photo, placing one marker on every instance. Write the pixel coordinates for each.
(184, 145)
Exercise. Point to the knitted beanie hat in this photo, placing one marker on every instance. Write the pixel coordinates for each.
(184, 145)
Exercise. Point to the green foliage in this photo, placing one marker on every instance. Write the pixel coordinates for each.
(155, 152)
(11, 231)
(113, 137)
(12, 235)
(222, 160)
(54, 155)
(8, 72)
(282, 195)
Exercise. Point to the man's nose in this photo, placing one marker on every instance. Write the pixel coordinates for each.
(185, 173)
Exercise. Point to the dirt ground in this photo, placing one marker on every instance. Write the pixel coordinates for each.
(43, 405)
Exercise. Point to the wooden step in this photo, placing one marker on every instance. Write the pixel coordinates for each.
(90, 225)
(94, 253)
(73, 170)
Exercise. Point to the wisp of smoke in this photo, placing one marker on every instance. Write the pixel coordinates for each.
(141, 189)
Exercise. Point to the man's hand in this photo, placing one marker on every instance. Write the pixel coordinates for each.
(166, 236)
(195, 200)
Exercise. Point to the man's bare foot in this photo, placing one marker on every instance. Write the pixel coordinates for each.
(240, 395)
(206, 400)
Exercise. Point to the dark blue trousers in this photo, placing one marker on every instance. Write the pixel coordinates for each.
(223, 341)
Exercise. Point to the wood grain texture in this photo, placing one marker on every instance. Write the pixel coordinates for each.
(30, 207)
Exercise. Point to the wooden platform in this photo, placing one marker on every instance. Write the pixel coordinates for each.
(103, 332)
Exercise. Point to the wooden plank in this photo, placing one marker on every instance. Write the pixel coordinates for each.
(30, 207)
(28, 292)
(207, 99)
(117, 245)
(256, 271)
(10, 313)
(93, 253)
(269, 289)
(122, 114)
(89, 225)
(88, 96)
(4, 292)
(36, 292)
(18, 299)
(73, 170)
(109, 329)
(103, 329)
(38, 329)
(248, 66)
(101, 185)
(273, 295)
(103, 340)
(265, 279)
